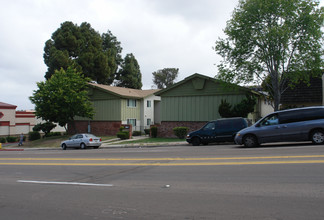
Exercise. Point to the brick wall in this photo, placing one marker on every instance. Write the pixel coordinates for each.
(165, 129)
(109, 128)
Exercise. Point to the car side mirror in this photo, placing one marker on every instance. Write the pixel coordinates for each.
(257, 125)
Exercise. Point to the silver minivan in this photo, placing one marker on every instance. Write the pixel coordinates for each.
(300, 124)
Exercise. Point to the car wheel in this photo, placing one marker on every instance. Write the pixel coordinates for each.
(317, 137)
(83, 146)
(250, 141)
(63, 146)
(195, 141)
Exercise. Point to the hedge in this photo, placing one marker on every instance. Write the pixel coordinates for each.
(180, 132)
(154, 131)
(34, 135)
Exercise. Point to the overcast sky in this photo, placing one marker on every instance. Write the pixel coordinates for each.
(160, 34)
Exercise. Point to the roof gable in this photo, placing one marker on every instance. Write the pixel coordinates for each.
(124, 92)
(198, 84)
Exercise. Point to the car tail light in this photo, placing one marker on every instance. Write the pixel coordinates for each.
(90, 139)
(100, 139)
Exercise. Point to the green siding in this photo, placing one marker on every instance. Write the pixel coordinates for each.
(96, 94)
(195, 108)
(107, 110)
(130, 112)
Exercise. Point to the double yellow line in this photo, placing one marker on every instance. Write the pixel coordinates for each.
(208, 161)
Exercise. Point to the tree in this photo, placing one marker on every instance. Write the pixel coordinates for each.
(165, 77)
(112, 48)
(272, 38)
(130, 75)
(83, 48)
(62, 97)
(45, 127)
(241, 109)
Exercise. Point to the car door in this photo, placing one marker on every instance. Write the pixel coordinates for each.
(269, 129)
(208, 132)
(70, 142)
(224, 131)
(78, 140)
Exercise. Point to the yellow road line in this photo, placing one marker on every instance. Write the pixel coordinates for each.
(171, 164)
(160, 159)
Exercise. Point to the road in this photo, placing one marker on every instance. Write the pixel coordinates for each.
(173, 182)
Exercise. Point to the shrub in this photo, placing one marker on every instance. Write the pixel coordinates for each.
(3, 140)
(52, 134)
(123, 135)
(137, 133)
(11, 139)
(180, 132)
(154, 131)
(34, 135)
(121, 128)
(147, 131)
(45, 127)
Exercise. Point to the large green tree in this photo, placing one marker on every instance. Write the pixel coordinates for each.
(113, 49)
(62, 97)
(130, 75)
(278, 39)
(97, 56)
(165, 77)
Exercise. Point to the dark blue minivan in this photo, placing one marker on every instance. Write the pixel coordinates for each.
(221, 130)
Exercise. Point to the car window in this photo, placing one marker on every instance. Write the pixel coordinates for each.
(210, 126)
(74, 136)
(90, 135)
(79, 136)
(270, 120)
(223, 124)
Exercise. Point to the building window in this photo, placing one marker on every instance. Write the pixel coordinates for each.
(131, 122)
(149, 103)
(149, 121)
(131, 103)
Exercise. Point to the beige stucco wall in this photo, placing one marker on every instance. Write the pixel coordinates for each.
(9, 115)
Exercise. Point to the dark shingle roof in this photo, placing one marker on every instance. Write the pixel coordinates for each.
(302, 93)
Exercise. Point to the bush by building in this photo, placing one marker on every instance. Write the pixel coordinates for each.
(180, 132)
(11, 139)
(154, 131)
(137, 133)
(34, 135)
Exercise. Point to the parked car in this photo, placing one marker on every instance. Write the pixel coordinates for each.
(301, 124)
(82, 141)
(221, 130)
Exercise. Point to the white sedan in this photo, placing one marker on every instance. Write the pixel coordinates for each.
(82, 141)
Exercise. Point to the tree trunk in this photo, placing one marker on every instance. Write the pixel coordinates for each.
(276, 90)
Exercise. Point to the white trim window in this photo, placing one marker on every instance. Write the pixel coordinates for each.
(131, 103)
(149, 121)
(149, 104)
(132, 122)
